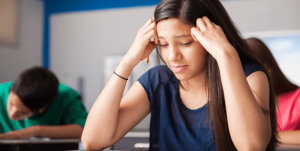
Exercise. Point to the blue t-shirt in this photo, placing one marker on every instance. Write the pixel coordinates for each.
(173, 126)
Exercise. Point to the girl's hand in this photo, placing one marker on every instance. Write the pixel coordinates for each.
(211, 36)
(142, 45)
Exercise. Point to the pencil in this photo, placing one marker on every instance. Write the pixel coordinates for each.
(147, 59)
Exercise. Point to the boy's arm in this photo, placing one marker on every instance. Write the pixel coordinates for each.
(60, 131)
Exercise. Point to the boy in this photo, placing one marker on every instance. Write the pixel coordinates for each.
(36, 104)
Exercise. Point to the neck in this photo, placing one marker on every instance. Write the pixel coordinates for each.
(196, 84)
(194, 93)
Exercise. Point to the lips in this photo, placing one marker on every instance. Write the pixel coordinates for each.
(178, 68)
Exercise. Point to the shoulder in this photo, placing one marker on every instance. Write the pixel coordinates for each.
(256, 76)
(250, 68)
(259, 83)
(62, 88)
(295, 95)
(5, 88)
(66, 93)
(258, 79)
(6, 85)
(160, 71)
(66, 98)
(297, 91)
(4, 92)
(156, 76)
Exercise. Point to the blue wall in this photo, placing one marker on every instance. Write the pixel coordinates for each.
(61, 6)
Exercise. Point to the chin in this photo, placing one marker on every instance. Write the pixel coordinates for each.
(182, 77)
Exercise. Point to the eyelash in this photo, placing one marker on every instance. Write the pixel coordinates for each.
(186, 44)
(163, 45)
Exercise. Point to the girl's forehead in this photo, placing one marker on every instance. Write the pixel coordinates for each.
(172, 27)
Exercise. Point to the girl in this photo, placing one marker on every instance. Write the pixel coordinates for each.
(210, 95)
(287, 94)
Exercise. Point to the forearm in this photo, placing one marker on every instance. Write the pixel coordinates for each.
(101, 127)
(247, 124)
(102, 120)
(61, 131)
(289, 137)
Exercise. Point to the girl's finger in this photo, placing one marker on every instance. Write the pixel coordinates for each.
(147, 23)
(207, 22)
(156, 36)
(196, 33)
(150, 48)
(195, 39)
(150, 34)
(192, 34)
(215, 25)
(201, 24)
(156, 39)
(149, 28)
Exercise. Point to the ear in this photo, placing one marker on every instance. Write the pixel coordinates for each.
(42, 110)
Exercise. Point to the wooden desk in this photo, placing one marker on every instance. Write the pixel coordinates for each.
(131, 138)
(39, 144)
(281, 147)
(288, 147)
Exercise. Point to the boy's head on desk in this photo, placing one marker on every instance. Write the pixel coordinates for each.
(32, 92)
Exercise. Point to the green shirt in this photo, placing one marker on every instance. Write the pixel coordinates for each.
(66, 108)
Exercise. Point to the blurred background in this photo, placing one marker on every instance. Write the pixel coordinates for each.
(82, 41)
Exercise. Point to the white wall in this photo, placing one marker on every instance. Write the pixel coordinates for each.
(14, 59)
(264, 15)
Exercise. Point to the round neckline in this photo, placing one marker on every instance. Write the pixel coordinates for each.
(181, 103)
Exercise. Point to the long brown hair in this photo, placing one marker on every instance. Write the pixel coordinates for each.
(187, 11)
(262, 52)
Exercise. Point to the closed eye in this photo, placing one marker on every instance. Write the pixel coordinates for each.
(164, 45)
(186, 44)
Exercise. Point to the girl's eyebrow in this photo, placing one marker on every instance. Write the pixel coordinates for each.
(180, 36)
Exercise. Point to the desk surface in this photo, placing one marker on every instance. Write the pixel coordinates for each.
(281, 147)
(40, 141)
(288, 147)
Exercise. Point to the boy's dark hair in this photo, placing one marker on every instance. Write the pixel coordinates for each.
(36, 87)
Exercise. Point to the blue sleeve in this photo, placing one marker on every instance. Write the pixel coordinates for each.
(250, 68)
(153, 77)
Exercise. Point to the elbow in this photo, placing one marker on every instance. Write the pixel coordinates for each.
(253, 143)
(257, 145)
(93, 144)
(253, 147)
(89, 145)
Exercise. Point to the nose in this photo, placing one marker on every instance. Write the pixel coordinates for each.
(13, 114)
(174, 54)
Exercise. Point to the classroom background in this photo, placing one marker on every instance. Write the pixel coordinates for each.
(82, 41)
